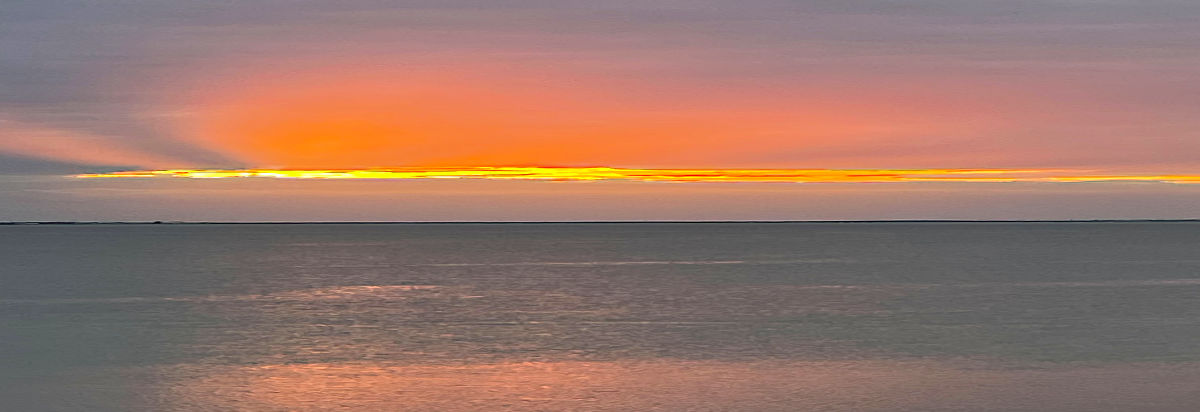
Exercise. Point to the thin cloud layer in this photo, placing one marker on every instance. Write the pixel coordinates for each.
(672, 175)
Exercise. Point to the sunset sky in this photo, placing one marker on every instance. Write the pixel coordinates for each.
(1081, 108)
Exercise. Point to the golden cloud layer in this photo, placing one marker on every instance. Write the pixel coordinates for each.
(668, 175)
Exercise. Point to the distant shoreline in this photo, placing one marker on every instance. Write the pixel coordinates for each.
(65, 223)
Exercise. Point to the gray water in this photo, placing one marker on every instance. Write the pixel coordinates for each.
(718, 316)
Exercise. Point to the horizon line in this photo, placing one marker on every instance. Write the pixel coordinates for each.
(517, 222)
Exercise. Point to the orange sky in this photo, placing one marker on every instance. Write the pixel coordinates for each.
(348, 117)
(1102, 92)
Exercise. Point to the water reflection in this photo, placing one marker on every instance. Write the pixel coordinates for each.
(679, 385)
(741, 317)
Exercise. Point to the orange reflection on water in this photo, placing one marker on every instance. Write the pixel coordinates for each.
(557, 386)
(668, 175)
(671, 385)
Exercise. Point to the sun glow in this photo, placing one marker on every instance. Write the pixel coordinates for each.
(666, 175)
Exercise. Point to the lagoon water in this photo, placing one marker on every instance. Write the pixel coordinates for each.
(601, 317)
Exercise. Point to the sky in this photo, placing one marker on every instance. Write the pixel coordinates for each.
(1065, 88)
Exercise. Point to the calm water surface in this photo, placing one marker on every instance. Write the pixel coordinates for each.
(605, 317)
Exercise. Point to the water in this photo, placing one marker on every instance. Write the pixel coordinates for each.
(605, 317)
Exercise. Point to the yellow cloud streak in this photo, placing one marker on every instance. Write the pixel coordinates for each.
(667, 175)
